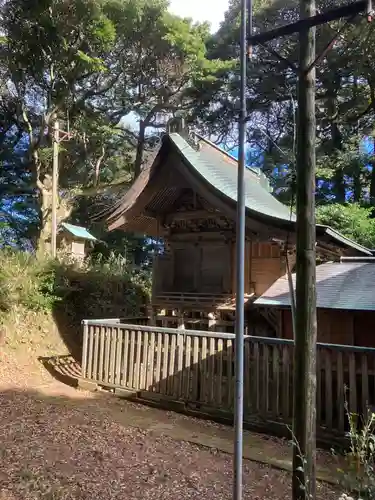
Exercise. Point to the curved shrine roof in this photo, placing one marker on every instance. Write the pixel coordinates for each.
(216, 171)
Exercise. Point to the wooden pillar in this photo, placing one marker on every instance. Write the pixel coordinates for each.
(180, 320)
(306, 328)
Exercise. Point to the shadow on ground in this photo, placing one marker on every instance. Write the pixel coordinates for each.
(84, 446)
(65, 369)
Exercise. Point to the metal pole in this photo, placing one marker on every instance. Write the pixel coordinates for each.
(240, 265)
(249, 27)
(55, 180)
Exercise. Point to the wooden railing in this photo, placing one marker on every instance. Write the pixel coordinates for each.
(198, 368)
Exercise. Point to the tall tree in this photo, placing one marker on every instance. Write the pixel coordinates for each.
(161, 59)
(53, 51)
(96, 65)
(344, 99)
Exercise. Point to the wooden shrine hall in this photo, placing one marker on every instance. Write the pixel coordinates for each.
(187, 198)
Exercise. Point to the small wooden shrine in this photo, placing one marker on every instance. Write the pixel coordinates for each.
(73, 241)
(187, 198)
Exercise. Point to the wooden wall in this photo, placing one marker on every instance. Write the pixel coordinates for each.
(338, 327)
(264, 264)
(75, 248)
(267, 265)
(207, 264)
(78, 249)
(195, 263)
(364, 328)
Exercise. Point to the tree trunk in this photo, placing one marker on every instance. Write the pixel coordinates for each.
(64, 209)
(97, 167)
(372, 181)
(357, 186)
(44, 240)
(304, 412)
(357, 168)
(140, 149)
(339, 188)
(42, 182)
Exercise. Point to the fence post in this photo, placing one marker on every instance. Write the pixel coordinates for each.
(84, 347)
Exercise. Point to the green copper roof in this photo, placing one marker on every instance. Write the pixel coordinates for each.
(78, 231)
(221, 172)
(218, 170)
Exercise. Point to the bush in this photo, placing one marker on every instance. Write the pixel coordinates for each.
(97, 290)
(94, 294)
(359, 479)
(351, 220)
(26, 282)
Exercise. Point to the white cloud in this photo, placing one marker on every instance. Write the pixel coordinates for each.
(201, 10)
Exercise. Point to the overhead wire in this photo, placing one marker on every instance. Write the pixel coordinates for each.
(289, 65)
(292, 187)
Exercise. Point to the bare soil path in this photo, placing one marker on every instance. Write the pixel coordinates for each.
(60, 443)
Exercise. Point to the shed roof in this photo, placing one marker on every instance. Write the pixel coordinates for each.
(78, 231)
(345, 285)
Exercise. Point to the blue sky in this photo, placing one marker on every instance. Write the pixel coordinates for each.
(201, 10)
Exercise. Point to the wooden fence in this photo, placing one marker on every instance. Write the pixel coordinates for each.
(197, 368)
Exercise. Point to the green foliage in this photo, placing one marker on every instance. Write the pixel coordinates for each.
(52, 56)
(359, 478)
(66, 39)
(26, 282)
(92, 63)
(161, 65)
(96, 62)
(345, 96)
(98, 289)
(98, 293)
(352, 220)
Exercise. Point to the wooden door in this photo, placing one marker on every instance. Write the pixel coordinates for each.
(214, 266)
(184, 269)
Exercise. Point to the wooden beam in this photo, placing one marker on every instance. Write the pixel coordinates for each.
(328, 251)
(215, 235)
(119, 222)
(311, 21)
(191, 214)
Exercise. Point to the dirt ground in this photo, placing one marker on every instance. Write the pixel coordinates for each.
(59, 443)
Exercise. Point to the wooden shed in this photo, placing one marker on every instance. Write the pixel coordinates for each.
(73, 240)
(187, 198)
(345, 302)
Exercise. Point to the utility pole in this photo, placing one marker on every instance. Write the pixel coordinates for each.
(305, 320)
(304, 423)
(55, 181)
(240, 274)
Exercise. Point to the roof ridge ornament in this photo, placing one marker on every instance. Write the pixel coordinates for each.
(191, 138)
(177, 125)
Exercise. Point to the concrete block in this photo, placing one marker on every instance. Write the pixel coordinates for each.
(87, 385)
(125, 393)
